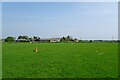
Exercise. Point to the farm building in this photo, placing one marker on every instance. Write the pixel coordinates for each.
(55, 40)
(44, 40)
(22, 40)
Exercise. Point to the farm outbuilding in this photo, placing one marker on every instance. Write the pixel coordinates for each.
(55, 40)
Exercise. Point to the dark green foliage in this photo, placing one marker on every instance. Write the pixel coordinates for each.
(66, 39)
(9, 39)
(20, 37)
(35, 38)
(62, 39)
(23, 39)
(90, 41)
(30, 39)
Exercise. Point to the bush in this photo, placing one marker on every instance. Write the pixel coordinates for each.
(9, 39)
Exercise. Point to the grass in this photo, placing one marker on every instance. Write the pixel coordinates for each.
(0, 59)
(60, 60)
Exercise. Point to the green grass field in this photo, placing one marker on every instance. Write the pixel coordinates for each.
(0, 59)
(60, 60)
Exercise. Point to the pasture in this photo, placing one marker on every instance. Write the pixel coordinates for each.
(60, 60)
(0, 59)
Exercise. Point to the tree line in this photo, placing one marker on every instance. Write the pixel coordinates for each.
(62, 39)
(36, 38)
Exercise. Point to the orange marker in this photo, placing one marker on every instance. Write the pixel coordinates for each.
(36, 49)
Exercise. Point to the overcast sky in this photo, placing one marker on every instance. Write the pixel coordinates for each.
(83, 20)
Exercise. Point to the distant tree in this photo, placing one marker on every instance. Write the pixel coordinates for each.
(30, 39)
(80, 40)
(66, 39)
(9, 39)
(101, 40)
(35, 38)
(63, 39)
(69, 38)
(76, 40)
(20, 37)
(38, 39)
(23, 39)
(90, 41)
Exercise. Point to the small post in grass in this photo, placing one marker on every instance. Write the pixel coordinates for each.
(36, 50)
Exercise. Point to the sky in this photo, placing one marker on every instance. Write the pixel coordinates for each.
(0, 20)
(60, 0)
(82, 20)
